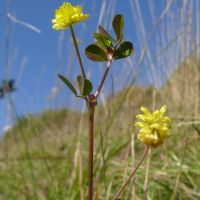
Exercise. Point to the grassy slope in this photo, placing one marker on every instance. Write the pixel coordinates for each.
(45, 156)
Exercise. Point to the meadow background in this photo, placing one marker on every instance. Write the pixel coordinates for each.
(43, 146)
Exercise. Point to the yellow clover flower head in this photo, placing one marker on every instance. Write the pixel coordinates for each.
(67, 15)
(154, 127)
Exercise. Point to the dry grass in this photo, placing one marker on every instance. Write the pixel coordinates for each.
(45, 156)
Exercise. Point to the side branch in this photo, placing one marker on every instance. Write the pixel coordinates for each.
(131, 176)
(103, 78)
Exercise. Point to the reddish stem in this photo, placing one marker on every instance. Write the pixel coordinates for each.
(103, 78)
(91, 150)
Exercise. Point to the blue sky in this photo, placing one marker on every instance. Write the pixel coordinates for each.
(34, 59)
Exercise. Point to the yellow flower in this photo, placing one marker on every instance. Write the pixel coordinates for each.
(154, 127)
(66, 15)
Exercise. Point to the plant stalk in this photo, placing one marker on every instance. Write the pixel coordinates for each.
(132, 175)
(77, 51)
(103, 78)
(91, 151)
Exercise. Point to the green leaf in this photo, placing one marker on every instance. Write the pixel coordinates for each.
(124, 50)
(68, 84)
(84, 85)
(103, 32)
(87, 89)
(103, 41)
(118, 26)
(80, 83)
(95, 53)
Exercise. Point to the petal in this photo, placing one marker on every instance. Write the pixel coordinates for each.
(156, 113)
(146, 130)
(148, 139)
(145, 110)
(141, 117)
(164, 132)
(141, 124)
(163, 109)
(156, 126)
(147, 118)
(166, 119)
